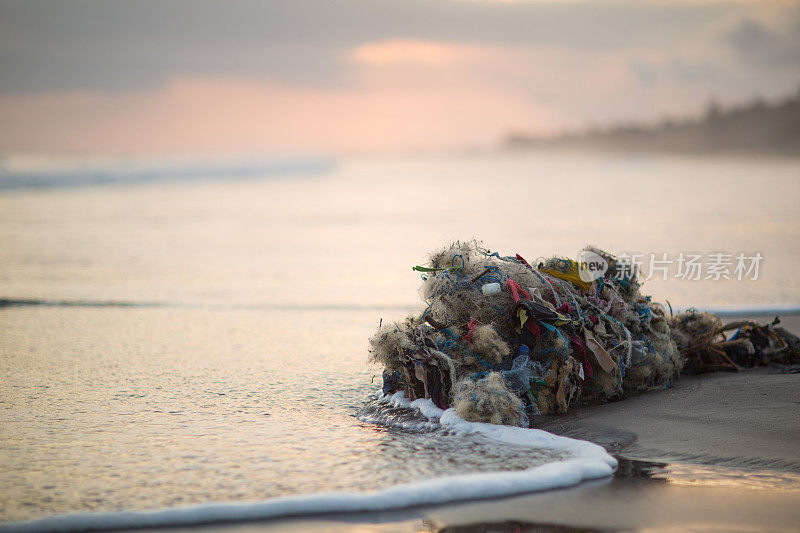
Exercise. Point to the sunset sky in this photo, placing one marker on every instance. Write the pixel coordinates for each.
(243, 77)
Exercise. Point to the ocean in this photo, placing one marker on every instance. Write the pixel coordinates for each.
(187, 333)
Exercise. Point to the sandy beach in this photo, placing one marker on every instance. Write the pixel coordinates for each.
(716, 452)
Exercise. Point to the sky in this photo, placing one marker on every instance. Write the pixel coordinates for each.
(116, 77)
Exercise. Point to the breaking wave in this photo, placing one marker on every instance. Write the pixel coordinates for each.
(47, 174)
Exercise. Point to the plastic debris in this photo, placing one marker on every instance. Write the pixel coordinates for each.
(491, 288)
(709, 346)
(503, 341)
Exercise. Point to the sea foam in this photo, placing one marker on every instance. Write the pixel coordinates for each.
(529, 437)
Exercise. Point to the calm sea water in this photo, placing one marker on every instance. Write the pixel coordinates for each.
(169, 341)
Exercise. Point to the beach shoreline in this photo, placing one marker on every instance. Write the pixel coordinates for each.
(714, 452)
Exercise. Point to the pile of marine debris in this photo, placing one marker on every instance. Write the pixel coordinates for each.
(503, 341)
(708, 345)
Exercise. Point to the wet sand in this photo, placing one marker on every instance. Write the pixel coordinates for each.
(718, 452)
(749, 419)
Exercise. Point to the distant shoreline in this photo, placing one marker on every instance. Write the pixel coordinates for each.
(757, 128)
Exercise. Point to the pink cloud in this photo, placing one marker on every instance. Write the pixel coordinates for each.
(402, 51)
(396, 108)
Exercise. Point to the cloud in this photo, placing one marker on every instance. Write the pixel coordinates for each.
(644, 72)
(399, 52)
(776, 45)
(123, 45)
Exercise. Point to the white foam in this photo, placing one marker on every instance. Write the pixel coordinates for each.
(398, 399)
(427, 408)
(534, 438)
(428, 492)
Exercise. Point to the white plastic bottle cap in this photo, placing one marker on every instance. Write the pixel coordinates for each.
(490, 288)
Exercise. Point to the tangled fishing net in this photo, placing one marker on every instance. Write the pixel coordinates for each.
(502, 341)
